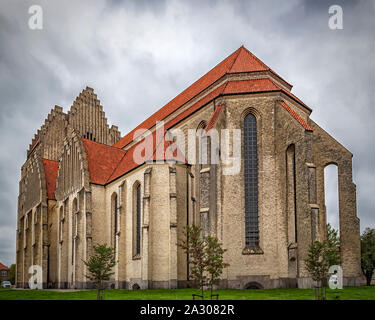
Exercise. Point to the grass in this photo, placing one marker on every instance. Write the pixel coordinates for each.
(348, 293)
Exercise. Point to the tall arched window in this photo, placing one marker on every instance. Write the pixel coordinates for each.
(114, 219)
(137, 219)
(251, 181)
(198, 166)
(201, 145)
(331, 196)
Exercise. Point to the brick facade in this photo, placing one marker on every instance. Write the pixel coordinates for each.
(96, 182)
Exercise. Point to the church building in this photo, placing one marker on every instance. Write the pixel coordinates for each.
(84, 184)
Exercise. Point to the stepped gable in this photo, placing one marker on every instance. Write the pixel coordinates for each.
(87, 117)
(56, 112)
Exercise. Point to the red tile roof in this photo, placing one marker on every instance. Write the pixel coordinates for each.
(107, 163)
(127, 163)
(102, 160)
(295, 115)
(258, 85)
(209, 78)
(247, 62)
(212, 121)
(254, 85)
(3, 267)
(231, 87)
(160, 151)
(50, 171)
(196, 106)
(242, 60)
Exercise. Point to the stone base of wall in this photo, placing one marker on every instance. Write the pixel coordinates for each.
(307, 283)
(20, 285)
(244, 282)
(353, 281)
(258, 282)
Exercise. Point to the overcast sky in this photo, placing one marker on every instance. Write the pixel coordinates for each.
(137, 55)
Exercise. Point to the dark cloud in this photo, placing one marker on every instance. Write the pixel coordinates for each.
(137, 55)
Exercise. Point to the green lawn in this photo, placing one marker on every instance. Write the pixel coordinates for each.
(348, 293)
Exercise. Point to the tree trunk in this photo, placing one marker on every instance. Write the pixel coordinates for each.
(211, 285)
(368, 278)
(99, 297)
(202, 283)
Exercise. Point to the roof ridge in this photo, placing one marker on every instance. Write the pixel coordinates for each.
(239, 49)
(256, 58)
(266, 66)
(110, 176)
(234, 60)
(246, 61)
(107, 145)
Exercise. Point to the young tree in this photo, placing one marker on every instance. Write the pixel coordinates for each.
(333, 246)
(368, 254)
(317, 264)
(317, 261)
(205, 257)
(214, 260)
(194, 246)
(12, 274)
(321, 256)
(100, 267)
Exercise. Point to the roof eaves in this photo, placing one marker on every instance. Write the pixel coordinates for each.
(213, 119)
(295, 115)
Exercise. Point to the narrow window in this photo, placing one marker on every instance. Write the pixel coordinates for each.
(251, 181)
(291, 193)
(61, 224)
(138, 251)
(136, 219)
(74, 227)
(115, 219)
